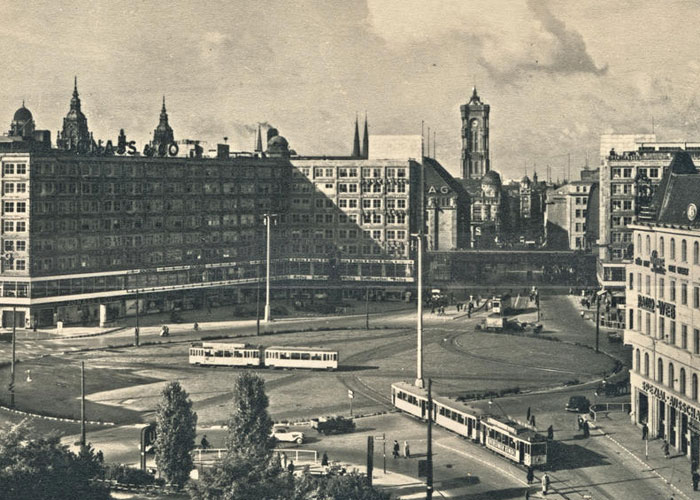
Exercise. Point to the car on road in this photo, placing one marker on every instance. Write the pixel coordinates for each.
(579, 404)
(283, 434)
(614, 337)
(333, 425)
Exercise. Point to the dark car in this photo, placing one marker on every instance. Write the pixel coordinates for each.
(579, 404)
(614, 337)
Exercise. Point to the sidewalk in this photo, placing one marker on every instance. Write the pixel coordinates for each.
(674, 472)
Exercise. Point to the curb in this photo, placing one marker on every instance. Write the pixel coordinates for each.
(55, 419)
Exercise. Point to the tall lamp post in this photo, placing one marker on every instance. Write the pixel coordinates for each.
(419, 315)
(269, 218)
(14, 351)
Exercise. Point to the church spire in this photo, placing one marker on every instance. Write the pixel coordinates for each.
(356, 140)
(365, 140)
(75, 128)
(163, 134)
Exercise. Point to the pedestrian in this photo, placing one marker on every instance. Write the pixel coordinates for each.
(696, 480)
(586, 430)
(645, 431)
(396, 449)
(204, 443)
(550, 433)
(324, 459)
(579, 419)
(545, 483)
(527, 415)
(532, 420)
(530, 475)
(406, 450)
(290, 467)
(527, 494)
(665, 447)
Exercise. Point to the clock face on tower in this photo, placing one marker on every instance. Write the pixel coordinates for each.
(475, 123)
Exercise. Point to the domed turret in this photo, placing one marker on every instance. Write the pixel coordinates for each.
(75, 126)
(525, 181)
(22, 123)
(277, 146)
(491, 178)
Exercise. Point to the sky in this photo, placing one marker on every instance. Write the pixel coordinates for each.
(556, 73)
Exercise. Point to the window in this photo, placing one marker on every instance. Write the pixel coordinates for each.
(647, 282)
(661, 247)
(696, 297)
(696, 253)
(639, 281)
(647, 247)
(662, 285)
(9, 206)
(660, 371)
(9, 187)
(8, 168)
(21, 168)
(684, 251)
(631, 285)
(646, 364)
(684, 293)
(696, 341)
(22, 206)
(684, 336)
(20, 264)
(681, 381)
(694, 387)
(662, 327)
(673, 249)
(8, 226)
(637, 361)
(21, 226)
(672, 332)
(671, 375)
(672, 290)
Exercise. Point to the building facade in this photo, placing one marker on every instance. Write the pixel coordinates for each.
(85, 233)
(663, 309)
(566, 215)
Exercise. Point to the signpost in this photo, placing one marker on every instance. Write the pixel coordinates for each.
(351, 395)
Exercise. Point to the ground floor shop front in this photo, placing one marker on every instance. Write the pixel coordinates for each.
(667, 415)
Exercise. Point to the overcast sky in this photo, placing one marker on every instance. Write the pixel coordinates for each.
(557, 74)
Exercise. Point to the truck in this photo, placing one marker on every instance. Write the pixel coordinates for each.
(493, 322)
(333, 425)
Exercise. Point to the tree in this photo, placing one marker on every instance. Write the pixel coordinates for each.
(41, 468)
(176, 429)
(250, 426)
(249, 470)
(347, 487)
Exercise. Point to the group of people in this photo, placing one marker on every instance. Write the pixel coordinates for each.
(583, 426)
(531, 477)
(397, 448)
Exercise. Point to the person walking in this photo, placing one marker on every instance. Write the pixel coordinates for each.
(324, 459)
(406, 450)
(545, 484)
(527, 494)
(645, 431)
(696, 480)
(550, 433)
(290, 467)
(396, 449)
(579, 420)
(530, 475)
(586, 429)
(666, 449)
(527, 415)
(532, 420)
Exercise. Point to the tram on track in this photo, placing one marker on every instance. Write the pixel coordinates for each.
(230, 354)
(514, 441)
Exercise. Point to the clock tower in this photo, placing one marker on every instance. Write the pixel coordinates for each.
(475, 138)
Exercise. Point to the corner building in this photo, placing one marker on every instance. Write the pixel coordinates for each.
(663, 314)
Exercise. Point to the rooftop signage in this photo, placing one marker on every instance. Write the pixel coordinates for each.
(123, 147)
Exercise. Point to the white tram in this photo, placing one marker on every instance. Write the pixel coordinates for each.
(509, 439)
(229, 354)
(301, 357)
(223, 354)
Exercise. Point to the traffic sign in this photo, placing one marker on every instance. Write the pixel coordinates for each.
(351, 393)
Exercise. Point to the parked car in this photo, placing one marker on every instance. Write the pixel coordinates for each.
(333, 425)
(283, 434)
(579, 404)
(614, 337)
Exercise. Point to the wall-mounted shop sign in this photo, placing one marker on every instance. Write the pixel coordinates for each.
(673, 401)
(651, 305)
(441, 189)
(657, 264)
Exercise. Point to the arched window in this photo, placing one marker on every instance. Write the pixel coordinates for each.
(662, 249)
(696, 253)
(684, 251)
(671, 375)
(681, 382)
(647, 247)
(673, 249)
(639, 244)
(694, 387)
(646, 364)
(636, 361)
(660, 371)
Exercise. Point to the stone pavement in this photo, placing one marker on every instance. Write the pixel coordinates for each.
(674, 472)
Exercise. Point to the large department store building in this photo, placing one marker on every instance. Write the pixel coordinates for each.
(663, 311)
(86, 231)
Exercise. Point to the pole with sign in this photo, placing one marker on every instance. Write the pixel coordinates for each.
(351, 395)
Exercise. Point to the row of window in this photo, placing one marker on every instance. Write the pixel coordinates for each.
(661, 248)
(660, 287)
(375, 188)
(15, 245)
(152, 188)
(678, 384)
(367, 172)
(14, 168)
(171, 169)
(668, 337)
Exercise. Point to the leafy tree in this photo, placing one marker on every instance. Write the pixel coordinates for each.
(176, 429)
(40, 467)
(250, 470)
(250, 426)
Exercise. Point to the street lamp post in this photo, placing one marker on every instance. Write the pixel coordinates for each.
(82, 403)
(14, 351)
(268, 222)
(419, 314)
(136, 330)
(367, 309)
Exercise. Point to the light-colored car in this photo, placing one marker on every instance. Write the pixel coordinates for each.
(283, 434)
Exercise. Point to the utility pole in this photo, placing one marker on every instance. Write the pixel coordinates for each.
(14, 350)
(82, 403)
(429, 454)
(136, 330)
(268, 222)
(597, 321)
(419, 314)
(257, 301)
(367, 309)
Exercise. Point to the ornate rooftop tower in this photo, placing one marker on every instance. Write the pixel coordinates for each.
(75, 127)
(475, 138)
(163, 134)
